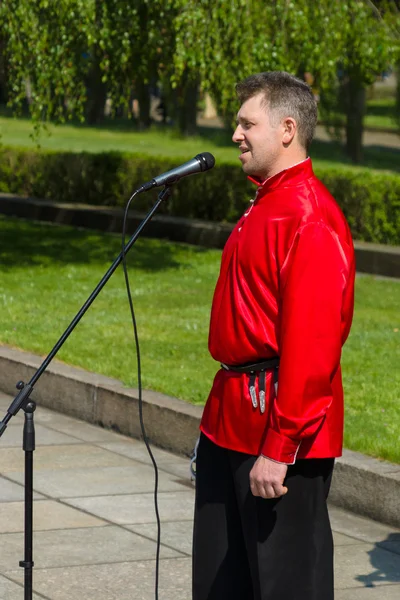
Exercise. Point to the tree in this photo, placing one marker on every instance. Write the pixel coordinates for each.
(46, 42)
(3, 71)
(227, 40)
(345, 44)
(370, 47)
(136, 40)
(139, 52)
(72, 53)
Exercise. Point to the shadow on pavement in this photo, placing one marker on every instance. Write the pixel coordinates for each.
(380, 557)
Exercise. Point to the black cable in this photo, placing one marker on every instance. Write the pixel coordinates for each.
(128, 290)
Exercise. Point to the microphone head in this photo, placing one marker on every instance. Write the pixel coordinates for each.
(206, 160)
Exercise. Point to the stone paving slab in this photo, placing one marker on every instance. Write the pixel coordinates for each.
(179, 535)
(61, 457)
(12, 591)
(181, 470)
(137, 451)
(340, 539)
(365, 564)
(69, 483)
(166, 461)
(392, 543)
(176, 534)
(47, 514)
(78, 547)
(45, 436)
(365, 530)
(101, 544)
(123, 581)
(389, 592)
(74, 427)
(13, 492)
(135, 581)
(138, 508)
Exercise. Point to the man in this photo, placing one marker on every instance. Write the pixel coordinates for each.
(273, 422)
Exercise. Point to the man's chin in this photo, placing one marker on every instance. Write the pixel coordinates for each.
(247, 167)
(251, 171)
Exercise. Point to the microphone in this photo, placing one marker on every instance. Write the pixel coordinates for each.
(198, 164)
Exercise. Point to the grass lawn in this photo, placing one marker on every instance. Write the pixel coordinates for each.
(47, 272)
(381, 113)
(159, 140)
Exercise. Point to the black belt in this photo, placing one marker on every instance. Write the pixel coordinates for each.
(256, 368)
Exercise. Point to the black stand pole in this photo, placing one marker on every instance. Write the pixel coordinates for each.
(29, 447)
(22, 398)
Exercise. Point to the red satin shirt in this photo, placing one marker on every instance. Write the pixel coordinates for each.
(286, 288)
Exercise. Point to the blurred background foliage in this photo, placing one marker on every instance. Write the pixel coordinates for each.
(80, 60)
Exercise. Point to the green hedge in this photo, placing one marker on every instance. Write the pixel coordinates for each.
(369, 199)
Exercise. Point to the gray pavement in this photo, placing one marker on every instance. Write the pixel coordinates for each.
(386, 139)
(94, 522)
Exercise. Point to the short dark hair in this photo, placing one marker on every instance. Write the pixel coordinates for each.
(286, 96)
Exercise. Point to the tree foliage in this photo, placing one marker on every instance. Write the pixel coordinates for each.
(136, 41)
(226, 41)
(57, 48)
(45, 51)
(370, 47)
(70, 54)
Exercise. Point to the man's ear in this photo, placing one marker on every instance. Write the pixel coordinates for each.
(289, 130)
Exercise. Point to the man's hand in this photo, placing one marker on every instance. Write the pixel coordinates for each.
(267, 477)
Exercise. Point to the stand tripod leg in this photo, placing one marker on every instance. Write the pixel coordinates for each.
(29, 447)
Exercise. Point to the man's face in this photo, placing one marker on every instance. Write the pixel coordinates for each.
(260, 142)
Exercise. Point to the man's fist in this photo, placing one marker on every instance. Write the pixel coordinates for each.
(267, 477)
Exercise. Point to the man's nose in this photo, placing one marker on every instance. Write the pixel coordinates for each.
(237, 134)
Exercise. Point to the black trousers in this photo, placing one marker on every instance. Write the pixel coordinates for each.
(248, 548)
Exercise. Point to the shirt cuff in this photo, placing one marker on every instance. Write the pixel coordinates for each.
(280, 448)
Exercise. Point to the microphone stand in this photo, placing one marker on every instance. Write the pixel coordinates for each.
(23, 401)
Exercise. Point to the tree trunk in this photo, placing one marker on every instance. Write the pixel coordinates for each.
(96, 89)
(398, 94)
(181, 104)
(355, 111)
(3, 73)
(143, 97)
(95, 106)
(188, 108)
(187, 97)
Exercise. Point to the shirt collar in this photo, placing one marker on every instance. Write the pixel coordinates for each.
(287, 177)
